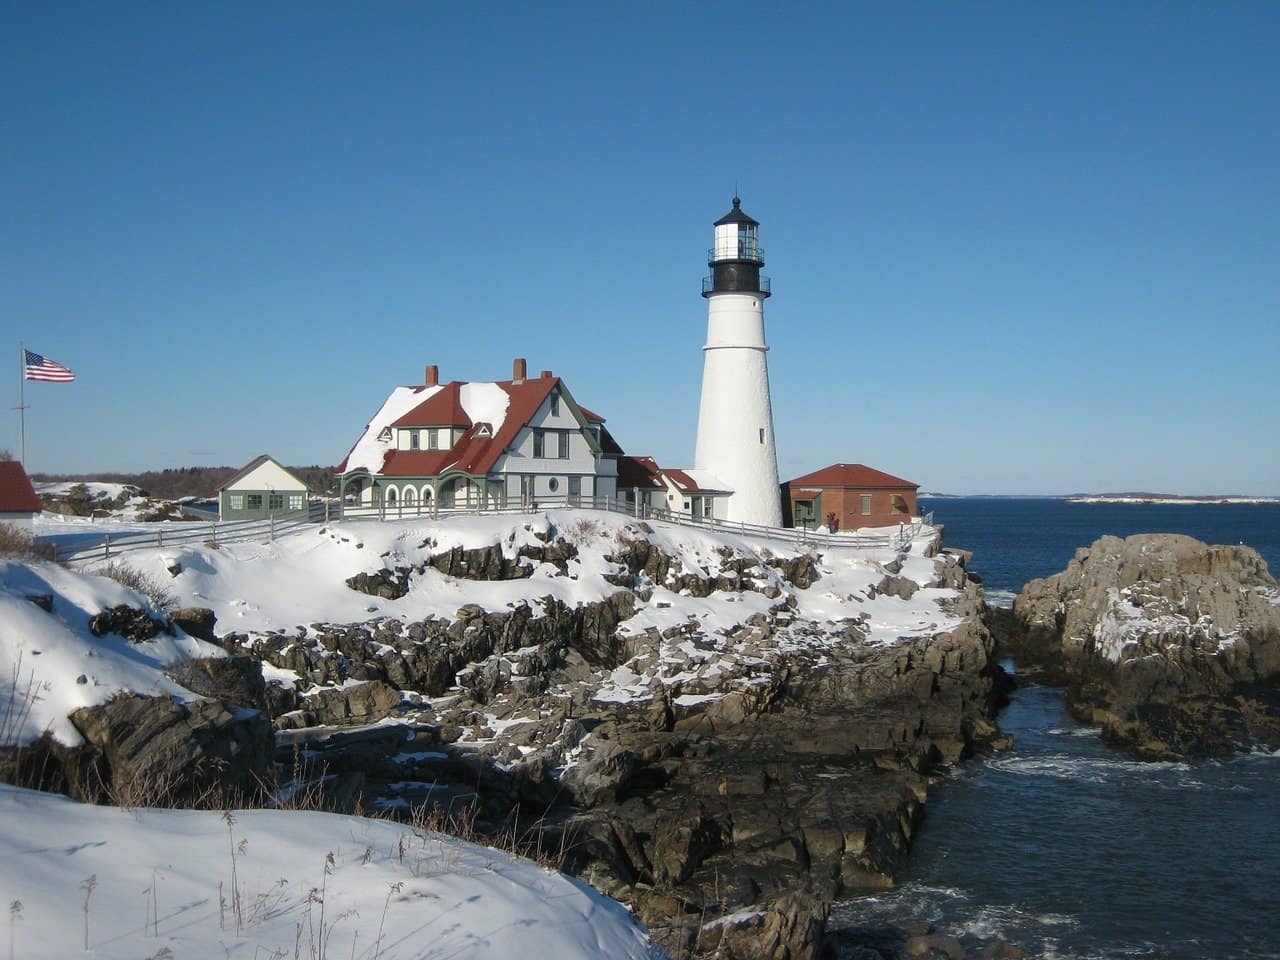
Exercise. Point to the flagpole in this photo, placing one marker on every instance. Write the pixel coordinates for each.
(22, 404)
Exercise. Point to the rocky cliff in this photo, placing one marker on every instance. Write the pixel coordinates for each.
(1171, 646)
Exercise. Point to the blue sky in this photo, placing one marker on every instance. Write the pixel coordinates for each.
(1014, 247)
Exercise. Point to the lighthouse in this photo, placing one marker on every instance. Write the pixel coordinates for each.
(735, 417)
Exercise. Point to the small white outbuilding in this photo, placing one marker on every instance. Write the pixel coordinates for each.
(259, 489)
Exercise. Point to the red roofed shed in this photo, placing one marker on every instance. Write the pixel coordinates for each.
(18, 500)
(858, 496)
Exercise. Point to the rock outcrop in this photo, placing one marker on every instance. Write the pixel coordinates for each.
(1171, 646)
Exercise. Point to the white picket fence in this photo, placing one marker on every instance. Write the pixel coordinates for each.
(240, 531)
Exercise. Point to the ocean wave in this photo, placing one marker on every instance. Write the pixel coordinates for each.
(1000, 598)
(1090, 732)
(1090, 770)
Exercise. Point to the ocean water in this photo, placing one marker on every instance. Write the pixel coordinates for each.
(1066, 846)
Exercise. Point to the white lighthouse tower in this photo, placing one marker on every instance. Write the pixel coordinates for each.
(735, 418)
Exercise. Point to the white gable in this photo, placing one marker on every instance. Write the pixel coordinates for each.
(267, 475)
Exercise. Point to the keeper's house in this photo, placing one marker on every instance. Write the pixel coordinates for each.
(486, 444)
(18, 501)
(259, 489)
(853, 495)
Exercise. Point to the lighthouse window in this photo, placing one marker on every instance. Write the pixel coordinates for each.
(762, 434)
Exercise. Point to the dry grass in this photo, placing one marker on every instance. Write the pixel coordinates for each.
(18, 544)
(161, 597)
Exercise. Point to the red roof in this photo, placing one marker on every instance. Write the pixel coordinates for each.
(472, 454)
(852, 475)
(638, 472)
(16, 493)
(591, 415)
(442, 409)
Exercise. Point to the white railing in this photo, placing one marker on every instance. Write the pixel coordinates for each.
(241, 531)
(214, 534)
(894, 537)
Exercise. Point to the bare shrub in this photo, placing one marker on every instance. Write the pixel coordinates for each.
(19, 544)
(161, 597)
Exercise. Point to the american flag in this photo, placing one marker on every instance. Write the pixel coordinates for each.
(42, 368)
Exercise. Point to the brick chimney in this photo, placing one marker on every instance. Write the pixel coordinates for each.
(433, 375)
(519, 370)
(546, 374)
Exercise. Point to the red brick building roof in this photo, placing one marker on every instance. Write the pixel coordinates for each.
(853, 475)
(16, 493)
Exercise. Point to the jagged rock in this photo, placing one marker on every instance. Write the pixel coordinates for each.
(790, 929)
(388, 584)
(1170, 645)
(600, 776)
(42, 600)
(153, 750)
(129, 622)
(361, 703)
(234, 680)
(197, 622)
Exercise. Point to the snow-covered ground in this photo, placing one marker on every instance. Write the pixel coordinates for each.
(160, 884)
(66, 667)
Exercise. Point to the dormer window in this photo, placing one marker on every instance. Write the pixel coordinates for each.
(413, 439)
(433, 439)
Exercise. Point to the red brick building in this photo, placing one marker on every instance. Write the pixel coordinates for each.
(853, 495)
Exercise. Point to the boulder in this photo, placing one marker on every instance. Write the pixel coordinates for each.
(155, 751)
(197, 622)
(1170, 645)
(129, 622)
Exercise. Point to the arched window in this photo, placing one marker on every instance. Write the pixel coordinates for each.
(390, 495)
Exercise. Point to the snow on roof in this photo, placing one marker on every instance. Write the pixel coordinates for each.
(852, 475)
(370, 450)
(696, 481)
(16, 492)
(486, 403)
(506, 406)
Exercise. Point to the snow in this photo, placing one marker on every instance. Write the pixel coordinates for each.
(48, 652)
(390, 892)
(485, 403)
(369, 451)
(96, 490)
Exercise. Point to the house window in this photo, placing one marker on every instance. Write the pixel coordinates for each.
(564, 444)
(237, 501)
(553, 484)
(866, 504)
(413, 440)
(899, 505)
(253, 501)
(706, 506)
(295, 501)
(555, 404)
(275, 501)
(433, 439)
(526, 487)
(575, 489)
(538, 443)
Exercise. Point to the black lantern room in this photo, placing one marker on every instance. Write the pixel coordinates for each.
(736, 258)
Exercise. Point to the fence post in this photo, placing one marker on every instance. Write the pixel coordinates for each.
(213, 535)
(106, 546)
(271, 528)
(159, 537)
